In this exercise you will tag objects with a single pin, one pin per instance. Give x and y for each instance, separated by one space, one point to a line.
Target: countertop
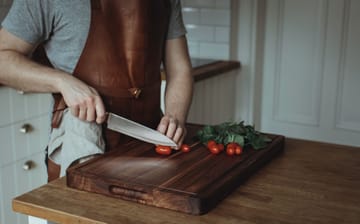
310 182
206 68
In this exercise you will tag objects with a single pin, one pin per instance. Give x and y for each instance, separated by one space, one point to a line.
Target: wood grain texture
193 182
311 182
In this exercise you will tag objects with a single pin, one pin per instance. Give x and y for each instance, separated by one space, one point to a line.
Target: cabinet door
17 106
213 99
23 139
16 179
311 70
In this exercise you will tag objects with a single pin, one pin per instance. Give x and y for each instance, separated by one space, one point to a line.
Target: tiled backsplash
208 26
207 23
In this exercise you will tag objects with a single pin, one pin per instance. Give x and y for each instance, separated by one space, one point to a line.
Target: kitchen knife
138 131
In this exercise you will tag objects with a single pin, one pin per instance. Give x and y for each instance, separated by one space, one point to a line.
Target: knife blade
133 129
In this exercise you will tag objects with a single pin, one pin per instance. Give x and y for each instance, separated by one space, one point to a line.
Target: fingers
82 113
100 111
88 107
84 101
162 127
173 129
90 114
75 111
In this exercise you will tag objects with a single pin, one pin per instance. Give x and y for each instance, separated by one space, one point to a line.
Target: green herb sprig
227 132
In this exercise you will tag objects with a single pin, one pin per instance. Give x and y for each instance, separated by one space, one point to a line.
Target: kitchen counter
206 68
310 182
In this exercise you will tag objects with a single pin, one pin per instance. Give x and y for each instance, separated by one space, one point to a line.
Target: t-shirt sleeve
176 23
29 20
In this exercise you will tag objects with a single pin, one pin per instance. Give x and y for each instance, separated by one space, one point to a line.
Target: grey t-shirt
63 25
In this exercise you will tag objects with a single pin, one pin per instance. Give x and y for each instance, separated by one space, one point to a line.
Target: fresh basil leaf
228 132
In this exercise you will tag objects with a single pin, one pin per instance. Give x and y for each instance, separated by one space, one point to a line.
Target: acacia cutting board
193 182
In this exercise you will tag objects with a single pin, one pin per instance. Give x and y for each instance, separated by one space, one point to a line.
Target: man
105 56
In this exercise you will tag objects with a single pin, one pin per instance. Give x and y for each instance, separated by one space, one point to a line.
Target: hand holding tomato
172 128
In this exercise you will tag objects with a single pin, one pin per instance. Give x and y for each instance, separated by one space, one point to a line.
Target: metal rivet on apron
135 92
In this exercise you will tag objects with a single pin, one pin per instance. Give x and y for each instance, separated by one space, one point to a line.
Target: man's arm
179 89
19 72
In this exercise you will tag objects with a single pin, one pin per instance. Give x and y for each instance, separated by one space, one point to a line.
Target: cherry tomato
230 151
185 148
230 148
232 144
210 143
238 150
214 149
163 150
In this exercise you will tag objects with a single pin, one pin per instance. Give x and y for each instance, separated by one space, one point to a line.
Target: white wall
247 33
208 25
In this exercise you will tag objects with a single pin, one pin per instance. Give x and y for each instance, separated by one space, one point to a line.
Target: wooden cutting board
193 182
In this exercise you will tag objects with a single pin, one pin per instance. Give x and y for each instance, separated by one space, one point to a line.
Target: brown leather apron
121 59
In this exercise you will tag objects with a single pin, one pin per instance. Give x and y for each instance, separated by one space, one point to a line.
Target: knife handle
129 194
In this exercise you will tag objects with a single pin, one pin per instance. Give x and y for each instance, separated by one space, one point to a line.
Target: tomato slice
163 150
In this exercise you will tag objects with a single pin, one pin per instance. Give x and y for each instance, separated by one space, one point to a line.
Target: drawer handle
26 128
21 92
28 165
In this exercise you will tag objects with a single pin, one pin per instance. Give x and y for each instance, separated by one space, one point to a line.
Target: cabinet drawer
16 106
23 139
16 179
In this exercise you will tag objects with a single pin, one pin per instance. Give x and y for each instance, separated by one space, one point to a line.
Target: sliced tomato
163 150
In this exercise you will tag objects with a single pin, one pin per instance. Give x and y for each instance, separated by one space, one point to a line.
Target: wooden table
309 183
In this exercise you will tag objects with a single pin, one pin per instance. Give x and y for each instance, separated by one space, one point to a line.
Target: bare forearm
20 72
178 97
179 88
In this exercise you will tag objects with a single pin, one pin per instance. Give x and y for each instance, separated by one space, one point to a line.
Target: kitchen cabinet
311 70
24 129
300 73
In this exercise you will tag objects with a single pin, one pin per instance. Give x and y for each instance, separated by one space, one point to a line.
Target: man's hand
178 92
19 72
83 101
173 129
